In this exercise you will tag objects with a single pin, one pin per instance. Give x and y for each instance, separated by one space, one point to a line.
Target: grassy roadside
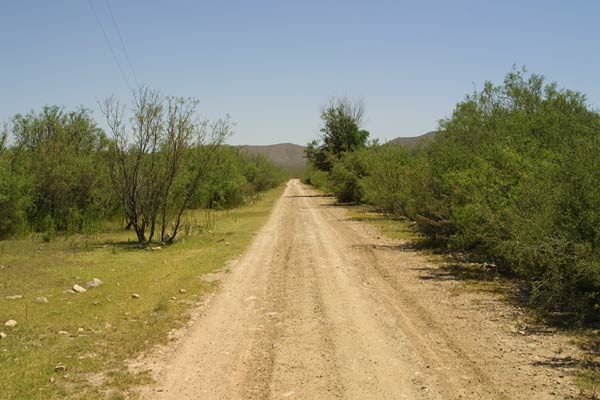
91 334
390 227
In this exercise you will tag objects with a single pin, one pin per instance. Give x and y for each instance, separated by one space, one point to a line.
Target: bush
14 200
512 176
63 155
345 177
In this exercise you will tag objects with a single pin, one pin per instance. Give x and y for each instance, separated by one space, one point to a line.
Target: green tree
64 155
341 133
15 197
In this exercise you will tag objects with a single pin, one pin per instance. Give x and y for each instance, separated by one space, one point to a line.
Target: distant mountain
285 155
412 141
290 156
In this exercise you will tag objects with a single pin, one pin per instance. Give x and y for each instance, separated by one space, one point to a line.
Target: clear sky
271 64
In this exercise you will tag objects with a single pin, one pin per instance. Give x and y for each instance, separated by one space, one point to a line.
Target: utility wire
112 16
109 45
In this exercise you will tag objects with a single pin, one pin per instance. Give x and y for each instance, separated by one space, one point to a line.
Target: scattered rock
11 323
155 248
60 368
96 303
80 329
63 332
94 283
3 335
135 296
14 297
52 379
78 289
41 300
182 291
173 298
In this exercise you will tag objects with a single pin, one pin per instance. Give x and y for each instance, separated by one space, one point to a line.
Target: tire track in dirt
313 310
456 371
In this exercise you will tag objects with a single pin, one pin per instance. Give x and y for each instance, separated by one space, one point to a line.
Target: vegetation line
511 178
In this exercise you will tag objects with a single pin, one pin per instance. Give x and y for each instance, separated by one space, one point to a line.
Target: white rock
94 283
135 296
11 323
3 335
41 300
14 297
182 291
78 289
63 332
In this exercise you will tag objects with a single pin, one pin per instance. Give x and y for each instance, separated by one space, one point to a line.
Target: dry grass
400 229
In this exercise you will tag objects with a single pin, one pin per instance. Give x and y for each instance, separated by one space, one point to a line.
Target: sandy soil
322 307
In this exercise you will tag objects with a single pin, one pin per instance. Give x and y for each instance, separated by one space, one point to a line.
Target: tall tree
148 151
341 132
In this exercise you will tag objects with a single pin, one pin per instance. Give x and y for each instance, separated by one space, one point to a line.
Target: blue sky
271 64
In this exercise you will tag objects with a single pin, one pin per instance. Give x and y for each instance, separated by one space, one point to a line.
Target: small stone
11 323
63 332
52 379
94 283
41 300
96 303
3 335
60 368
135 296
14 297
69 291
173 298
182 291
78 289
80 329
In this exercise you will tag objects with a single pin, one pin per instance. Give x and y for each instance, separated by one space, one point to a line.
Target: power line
109 45
122 42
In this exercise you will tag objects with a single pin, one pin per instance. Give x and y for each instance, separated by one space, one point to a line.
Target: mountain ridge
290 156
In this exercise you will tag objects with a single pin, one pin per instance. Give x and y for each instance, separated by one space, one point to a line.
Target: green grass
105 325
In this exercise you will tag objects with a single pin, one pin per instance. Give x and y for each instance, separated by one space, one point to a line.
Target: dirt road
321 307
